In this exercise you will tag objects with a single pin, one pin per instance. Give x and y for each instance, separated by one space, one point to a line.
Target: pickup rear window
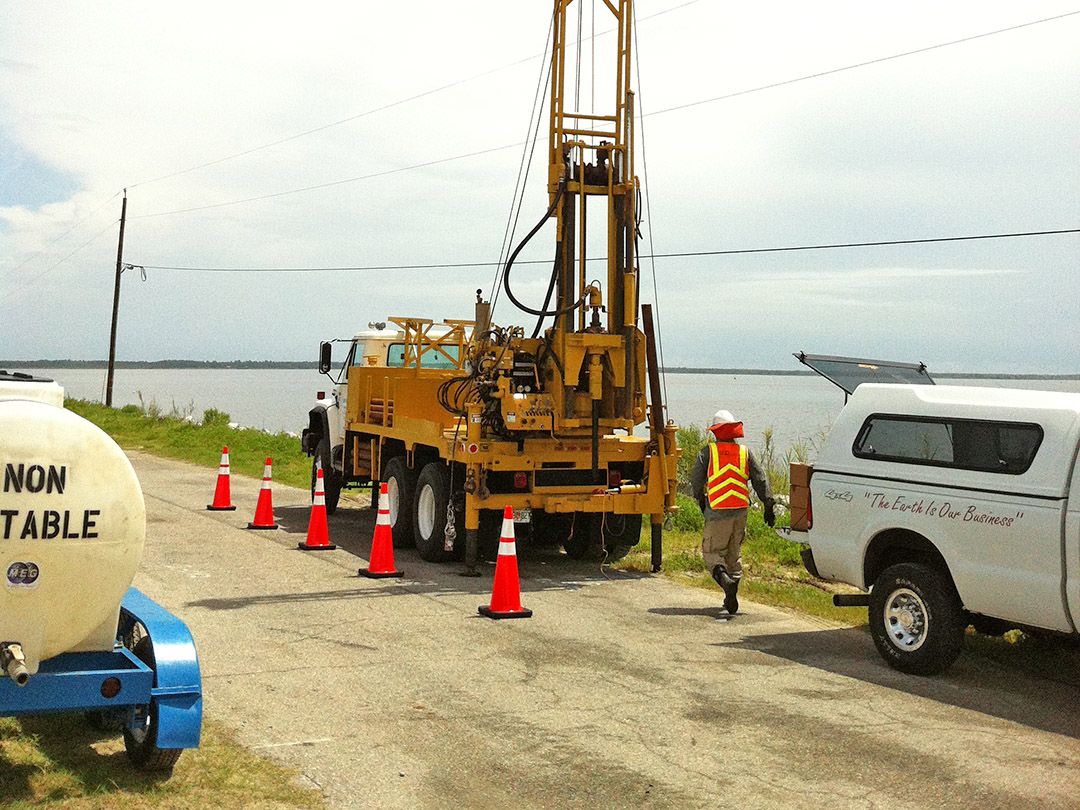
966 444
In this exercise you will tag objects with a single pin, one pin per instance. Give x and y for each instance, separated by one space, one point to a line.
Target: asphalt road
622 691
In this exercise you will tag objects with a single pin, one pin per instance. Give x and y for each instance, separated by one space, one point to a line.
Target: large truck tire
331 480
429 513
916 619
400 485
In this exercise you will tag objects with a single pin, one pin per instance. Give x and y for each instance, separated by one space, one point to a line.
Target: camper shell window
966 444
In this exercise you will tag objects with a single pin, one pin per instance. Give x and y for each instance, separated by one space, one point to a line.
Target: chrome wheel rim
906 619
425 511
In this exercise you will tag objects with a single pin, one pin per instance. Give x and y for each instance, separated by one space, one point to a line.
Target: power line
680 255
53 241
328 185
877 61
383 108
653 113
52 267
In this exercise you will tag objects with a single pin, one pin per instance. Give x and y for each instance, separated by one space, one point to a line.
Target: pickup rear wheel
916 619
331 480
400 485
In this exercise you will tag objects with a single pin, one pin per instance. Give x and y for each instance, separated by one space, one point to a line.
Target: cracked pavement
623 690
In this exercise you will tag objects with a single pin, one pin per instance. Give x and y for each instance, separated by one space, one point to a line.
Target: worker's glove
770 516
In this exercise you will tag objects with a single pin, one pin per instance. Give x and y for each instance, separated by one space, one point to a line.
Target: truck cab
952 505
324 437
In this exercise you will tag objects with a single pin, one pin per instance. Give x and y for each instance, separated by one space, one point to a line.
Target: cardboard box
799 501
799 474
799 520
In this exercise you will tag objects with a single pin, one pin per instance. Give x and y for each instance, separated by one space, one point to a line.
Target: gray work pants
721 542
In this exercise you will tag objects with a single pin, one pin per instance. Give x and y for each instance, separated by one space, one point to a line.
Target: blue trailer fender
177 690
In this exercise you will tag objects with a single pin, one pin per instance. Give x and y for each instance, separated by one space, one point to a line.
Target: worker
719 482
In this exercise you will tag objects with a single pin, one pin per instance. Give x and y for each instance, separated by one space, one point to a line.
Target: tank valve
14 663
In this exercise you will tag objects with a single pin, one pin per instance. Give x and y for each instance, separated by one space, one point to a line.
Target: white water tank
72 524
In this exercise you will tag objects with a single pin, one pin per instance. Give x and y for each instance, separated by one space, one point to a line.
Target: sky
175 104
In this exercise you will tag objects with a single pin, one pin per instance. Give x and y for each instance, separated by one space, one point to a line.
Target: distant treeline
309 364
158 364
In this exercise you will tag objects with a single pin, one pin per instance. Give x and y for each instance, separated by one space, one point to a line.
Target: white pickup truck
953 505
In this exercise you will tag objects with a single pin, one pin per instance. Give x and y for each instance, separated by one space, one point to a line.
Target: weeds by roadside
60 760
177 435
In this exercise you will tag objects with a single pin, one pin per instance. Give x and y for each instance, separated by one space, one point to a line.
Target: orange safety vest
726 485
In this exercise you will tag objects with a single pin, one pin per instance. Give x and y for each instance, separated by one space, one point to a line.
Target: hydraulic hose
513 256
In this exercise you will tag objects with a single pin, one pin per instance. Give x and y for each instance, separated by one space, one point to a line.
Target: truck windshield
395 357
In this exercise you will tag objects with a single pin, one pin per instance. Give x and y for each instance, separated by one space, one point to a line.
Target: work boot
731 595
720 575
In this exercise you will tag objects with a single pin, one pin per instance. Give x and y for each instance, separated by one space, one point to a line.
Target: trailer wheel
141 740
331 480
916 619
400 487
429 513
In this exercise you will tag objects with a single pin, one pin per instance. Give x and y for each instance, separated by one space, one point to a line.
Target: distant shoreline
287 364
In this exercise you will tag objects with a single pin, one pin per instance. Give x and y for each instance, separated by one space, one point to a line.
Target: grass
59 760
176 435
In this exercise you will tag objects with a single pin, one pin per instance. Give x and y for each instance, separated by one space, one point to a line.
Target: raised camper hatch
847 373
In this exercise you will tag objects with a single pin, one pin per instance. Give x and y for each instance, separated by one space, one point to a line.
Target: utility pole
116 303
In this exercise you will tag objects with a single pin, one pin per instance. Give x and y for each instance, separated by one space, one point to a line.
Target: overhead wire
648 216
663 111
525 165
867 63
673 255
383 108
53 266
53 241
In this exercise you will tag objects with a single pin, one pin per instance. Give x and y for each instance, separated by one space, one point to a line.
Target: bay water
796 408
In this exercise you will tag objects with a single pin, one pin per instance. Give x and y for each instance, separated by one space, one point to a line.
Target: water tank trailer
74 636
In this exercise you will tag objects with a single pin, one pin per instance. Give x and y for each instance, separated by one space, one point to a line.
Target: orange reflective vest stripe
726 485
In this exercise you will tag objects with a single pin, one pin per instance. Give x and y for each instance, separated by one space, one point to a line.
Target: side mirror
324 357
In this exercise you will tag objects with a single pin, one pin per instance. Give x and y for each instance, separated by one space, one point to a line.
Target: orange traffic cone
318 538
506 593
222 500
382 545
264 509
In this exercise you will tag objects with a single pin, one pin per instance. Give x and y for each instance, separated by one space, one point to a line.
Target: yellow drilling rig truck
463 418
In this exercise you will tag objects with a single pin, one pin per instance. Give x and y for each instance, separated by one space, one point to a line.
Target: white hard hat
721 418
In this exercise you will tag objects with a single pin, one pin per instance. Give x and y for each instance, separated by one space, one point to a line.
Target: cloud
974 138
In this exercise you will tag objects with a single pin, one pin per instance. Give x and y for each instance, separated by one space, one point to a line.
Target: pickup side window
967 444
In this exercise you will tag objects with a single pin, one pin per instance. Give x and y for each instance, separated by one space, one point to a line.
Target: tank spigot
14 663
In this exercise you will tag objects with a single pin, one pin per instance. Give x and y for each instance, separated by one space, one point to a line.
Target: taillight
809 509
321 395
521 480
614 479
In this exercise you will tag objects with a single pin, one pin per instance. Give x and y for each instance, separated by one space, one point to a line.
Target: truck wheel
600 537
400 485
331 480
916 619
429 513
140 741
